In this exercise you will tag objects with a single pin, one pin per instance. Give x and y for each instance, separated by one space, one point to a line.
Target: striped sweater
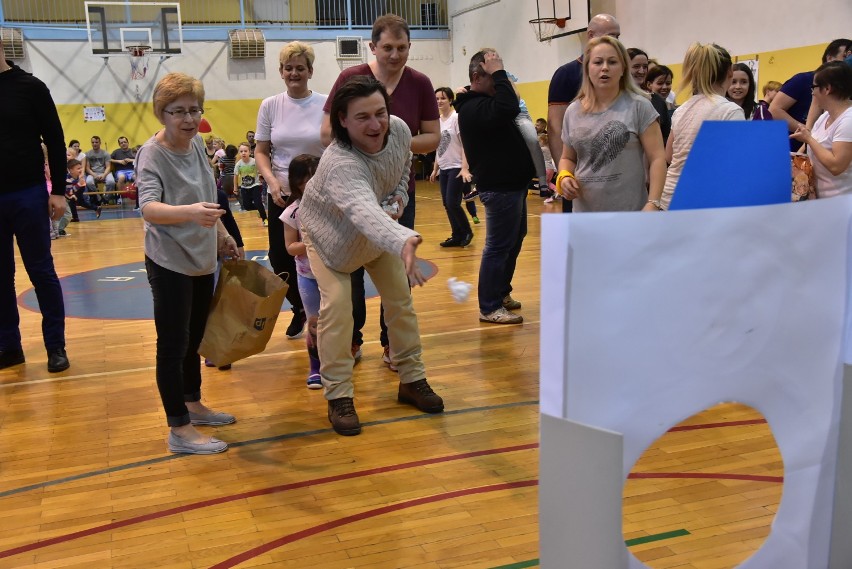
341 212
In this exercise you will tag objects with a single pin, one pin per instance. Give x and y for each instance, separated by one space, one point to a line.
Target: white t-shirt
449 153
686 122
292 126
829 185
290 217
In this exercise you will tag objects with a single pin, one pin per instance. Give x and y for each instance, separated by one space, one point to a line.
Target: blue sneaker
314 381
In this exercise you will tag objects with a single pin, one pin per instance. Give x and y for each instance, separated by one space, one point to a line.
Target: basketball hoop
138 61
545 28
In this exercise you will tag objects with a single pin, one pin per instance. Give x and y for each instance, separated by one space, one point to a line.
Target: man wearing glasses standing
28 117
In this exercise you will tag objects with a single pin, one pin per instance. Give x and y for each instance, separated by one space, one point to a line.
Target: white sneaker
501 316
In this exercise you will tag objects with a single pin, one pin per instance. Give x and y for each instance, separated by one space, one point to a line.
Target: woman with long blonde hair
608 132
707 73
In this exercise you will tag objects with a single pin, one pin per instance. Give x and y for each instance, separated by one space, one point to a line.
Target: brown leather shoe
419 394
344 419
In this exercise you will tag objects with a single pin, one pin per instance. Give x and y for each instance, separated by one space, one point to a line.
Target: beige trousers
334 327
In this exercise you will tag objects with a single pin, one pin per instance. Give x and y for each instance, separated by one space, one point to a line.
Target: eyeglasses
191 113
815 86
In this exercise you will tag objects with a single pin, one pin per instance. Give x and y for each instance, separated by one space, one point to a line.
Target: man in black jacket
502 167
28 117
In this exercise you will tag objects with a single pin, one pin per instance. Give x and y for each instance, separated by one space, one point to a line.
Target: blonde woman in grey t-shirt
608 132
183 232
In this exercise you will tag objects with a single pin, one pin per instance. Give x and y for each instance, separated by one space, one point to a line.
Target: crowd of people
331 178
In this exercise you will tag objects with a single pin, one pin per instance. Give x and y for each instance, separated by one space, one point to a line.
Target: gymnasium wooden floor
86 480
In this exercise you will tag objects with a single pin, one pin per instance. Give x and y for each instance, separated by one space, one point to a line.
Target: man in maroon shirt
411 92
413 100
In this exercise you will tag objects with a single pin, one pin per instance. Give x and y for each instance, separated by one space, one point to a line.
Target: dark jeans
253 196
451 194
181 304
23 217
506 227
280 259
359 305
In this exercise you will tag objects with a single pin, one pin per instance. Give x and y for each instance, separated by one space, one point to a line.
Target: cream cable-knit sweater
341 212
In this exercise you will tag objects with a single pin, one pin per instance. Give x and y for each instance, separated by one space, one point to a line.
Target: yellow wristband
562 174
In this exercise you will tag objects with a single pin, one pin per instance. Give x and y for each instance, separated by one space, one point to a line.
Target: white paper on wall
94 114
672 313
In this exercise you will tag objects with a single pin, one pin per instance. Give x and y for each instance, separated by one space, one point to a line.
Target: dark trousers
280 259
452 188
83 200
24 217
506 227
254 196
72 207
181 304
359 305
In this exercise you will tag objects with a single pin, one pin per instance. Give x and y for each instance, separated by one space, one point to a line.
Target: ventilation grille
350 47
247 43
13 42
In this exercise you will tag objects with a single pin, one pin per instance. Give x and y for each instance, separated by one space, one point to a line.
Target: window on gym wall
301 14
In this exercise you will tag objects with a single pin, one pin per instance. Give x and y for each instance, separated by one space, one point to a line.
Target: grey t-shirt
98 160
610 159
169 177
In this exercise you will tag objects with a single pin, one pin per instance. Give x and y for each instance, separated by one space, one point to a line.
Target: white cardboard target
665 315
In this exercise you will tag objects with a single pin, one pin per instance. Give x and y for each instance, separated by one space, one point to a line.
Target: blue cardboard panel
736 163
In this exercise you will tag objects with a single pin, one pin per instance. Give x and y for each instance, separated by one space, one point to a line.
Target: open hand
415 277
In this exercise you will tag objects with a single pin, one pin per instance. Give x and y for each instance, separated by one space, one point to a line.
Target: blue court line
284 437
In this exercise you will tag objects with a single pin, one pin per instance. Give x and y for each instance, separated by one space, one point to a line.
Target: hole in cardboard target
706 491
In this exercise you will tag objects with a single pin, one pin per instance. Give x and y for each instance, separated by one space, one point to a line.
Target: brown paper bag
245 306
804 179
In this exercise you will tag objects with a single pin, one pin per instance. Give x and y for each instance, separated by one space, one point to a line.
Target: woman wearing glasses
830 143
183 232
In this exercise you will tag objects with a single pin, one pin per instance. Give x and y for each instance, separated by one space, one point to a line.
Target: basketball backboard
114 26
558 18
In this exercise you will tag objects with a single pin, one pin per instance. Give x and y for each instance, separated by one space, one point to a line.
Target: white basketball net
138 61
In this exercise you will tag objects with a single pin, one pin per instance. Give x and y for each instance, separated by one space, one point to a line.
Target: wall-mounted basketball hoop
545 28
138 61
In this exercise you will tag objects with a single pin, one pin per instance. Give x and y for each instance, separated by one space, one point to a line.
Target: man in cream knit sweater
348 215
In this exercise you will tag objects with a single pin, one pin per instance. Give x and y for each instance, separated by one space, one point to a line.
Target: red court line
717 425
261 492
329 479
707 475
290 538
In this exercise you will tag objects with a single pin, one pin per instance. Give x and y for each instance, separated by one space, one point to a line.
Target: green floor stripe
655 537
628 543
521 565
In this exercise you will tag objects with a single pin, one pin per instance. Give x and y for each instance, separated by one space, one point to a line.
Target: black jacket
496 152
28 117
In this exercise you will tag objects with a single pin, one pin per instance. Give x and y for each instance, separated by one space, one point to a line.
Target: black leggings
181 304
280 259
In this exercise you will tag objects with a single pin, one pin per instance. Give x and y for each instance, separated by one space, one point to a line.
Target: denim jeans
24 217
452 188
506 227
181 304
